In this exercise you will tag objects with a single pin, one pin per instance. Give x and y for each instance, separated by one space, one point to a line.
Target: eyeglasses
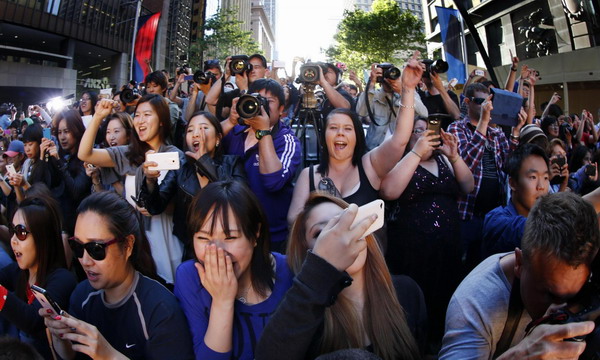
477 100
418 131
19 230
96 250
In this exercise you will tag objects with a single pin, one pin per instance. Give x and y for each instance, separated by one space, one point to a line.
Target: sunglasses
477 100
20 231
96 250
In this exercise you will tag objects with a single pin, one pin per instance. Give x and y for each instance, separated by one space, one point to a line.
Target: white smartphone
453 82
479 72
45 300
165 160
10 168
278 64
374 207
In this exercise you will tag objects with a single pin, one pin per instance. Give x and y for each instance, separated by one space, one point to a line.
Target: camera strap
368 103
515 310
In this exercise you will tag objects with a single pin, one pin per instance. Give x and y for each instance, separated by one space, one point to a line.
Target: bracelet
416 153
406 107
515 138
455 160
513 69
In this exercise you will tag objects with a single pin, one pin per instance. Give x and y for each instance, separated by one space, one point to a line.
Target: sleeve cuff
324 279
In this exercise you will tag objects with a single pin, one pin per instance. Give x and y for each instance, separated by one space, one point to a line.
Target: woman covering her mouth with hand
229 293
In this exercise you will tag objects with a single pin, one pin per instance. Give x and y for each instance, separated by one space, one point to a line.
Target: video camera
389 72
240 64
438 66
309 72
248 106
129 95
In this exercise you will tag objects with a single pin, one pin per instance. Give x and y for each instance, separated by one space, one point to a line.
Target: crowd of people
245 250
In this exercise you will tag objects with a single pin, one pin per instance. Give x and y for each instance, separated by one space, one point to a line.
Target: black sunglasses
477 100
96 250
19 230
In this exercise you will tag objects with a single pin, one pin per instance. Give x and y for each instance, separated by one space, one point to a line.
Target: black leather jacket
184 185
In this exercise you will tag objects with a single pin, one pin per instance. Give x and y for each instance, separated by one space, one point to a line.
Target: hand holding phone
164 161
374 207
479 72
10 169
47 134
47 302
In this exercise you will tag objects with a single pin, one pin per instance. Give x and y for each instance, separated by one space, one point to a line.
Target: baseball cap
15 148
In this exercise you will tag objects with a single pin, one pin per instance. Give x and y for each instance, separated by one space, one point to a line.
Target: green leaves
385 34
223 36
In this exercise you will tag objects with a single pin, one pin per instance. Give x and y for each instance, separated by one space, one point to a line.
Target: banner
452 34
143 46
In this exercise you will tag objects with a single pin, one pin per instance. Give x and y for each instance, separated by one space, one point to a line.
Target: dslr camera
201 77
240 64
129 95
248 106
389 72
438 66
309 73
585 306
182 69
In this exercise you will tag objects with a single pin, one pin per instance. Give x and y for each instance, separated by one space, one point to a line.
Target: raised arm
98 157
512 75
450 105
334 96
384 157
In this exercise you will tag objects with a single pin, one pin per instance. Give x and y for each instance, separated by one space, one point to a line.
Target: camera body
240 64
389 72
438 66
248 106
309 73
182 69
128 95
201 77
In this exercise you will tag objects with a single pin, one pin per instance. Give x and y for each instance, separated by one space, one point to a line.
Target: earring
217 144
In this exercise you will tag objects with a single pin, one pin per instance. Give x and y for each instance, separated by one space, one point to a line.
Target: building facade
413 6
559 38
261 28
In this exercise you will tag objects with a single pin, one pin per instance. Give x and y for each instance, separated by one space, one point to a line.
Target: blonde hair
383 319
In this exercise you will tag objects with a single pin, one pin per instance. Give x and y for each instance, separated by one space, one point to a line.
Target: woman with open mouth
345 169
37 244
120 311
205 163
152 127
229 291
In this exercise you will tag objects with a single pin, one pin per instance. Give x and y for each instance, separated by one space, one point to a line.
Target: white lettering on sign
95 83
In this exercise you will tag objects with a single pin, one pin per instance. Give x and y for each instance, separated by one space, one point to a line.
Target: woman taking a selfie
152 127
38 248
205 163
118 312
235 283
343 296
346 170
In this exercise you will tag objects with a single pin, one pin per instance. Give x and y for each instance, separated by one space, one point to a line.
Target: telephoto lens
389 72
239 64
201 77
248 106
127 96
309 73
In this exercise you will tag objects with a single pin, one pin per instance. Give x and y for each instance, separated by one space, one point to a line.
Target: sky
305 26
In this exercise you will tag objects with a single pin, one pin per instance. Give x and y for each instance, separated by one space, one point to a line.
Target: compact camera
389 72
240 64
248 106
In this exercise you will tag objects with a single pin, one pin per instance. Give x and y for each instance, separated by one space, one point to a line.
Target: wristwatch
260 133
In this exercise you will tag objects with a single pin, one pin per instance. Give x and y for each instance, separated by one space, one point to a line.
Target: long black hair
212 204
137 148
122 221
43 219
361 144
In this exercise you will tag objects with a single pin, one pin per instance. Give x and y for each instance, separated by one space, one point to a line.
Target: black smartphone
47 302
590 170
560 160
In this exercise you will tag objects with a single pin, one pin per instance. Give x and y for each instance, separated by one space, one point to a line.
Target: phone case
45 300
10 168
165 160
374 207
47 133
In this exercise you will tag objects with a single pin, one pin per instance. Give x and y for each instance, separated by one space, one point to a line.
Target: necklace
243 297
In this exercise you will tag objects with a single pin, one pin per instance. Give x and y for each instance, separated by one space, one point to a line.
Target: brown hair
383 318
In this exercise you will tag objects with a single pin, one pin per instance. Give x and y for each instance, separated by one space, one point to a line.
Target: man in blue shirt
528 176
271 155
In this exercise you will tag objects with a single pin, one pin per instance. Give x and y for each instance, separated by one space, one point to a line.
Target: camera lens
439 67
248 106
310 74
200 77
238 66
393 73
127 96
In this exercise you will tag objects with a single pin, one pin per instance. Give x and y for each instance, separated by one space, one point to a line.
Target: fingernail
57 317
374 216
49 311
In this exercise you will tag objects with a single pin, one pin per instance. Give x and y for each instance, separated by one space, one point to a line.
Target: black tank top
365 193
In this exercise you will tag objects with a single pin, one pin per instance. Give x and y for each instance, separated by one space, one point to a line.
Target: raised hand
450 146
413 71
217 275
428 142
201 146
151 175
340 244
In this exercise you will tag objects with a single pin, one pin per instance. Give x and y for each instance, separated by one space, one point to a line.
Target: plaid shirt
471 146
